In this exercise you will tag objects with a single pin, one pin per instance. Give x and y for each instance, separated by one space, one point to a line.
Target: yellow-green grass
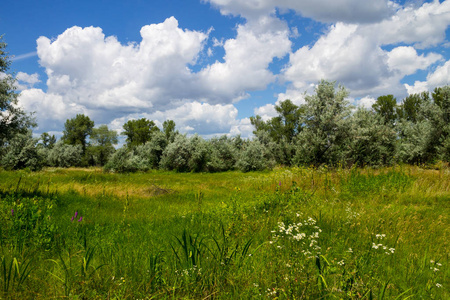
226 235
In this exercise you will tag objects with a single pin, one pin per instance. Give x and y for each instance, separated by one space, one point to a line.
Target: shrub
122 161
255 157
21 152
64 155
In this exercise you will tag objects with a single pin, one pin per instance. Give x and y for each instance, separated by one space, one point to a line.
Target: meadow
290 233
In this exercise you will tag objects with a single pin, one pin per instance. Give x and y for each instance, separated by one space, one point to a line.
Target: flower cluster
74 217
434 266
305 232
387 251
194 271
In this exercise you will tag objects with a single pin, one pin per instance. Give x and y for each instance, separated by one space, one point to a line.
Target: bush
186 154
373 143
223 154
64 155
255 157
151 152
21 152
123 161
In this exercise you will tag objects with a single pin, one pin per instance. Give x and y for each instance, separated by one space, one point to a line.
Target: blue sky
211 64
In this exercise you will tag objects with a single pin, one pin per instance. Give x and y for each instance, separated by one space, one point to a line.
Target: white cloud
352 54
193 117
27 80
440 77
98 72
366 102
51 109
97 75
424 26
342 55
418 87
321 10
246 61
243 127
407 62
266 112
297 96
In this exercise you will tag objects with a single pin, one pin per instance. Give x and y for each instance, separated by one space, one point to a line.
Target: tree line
325 130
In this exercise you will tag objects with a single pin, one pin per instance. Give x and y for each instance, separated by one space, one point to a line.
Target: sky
209 65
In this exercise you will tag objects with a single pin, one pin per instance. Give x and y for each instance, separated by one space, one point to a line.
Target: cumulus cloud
27 80
342 55
266 112
51 109
352 11
366 102
406 61
246 61
424 26
98 72
97 75
195 117
353 54
440 77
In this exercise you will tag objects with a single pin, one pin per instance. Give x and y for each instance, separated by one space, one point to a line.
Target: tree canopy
13 120
138 132
76 131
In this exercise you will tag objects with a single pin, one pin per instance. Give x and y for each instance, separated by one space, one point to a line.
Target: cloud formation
96 75
351 11
369 48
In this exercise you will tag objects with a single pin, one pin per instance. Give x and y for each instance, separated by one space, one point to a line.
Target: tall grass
287 234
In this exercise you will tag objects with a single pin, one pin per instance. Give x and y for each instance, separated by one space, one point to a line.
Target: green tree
284 126
76 131
411 107
13 119
326 131
281 129
102 143
372 142
138 132
47 140
169 130
386 107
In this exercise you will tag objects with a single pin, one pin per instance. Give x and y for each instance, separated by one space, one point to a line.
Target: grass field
286 234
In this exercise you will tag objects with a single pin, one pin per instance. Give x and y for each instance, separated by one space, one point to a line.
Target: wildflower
76 214
341 263
71 219
438 285
350 250
80 219
12 212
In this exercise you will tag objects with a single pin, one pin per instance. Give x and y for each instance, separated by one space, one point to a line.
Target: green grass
287 234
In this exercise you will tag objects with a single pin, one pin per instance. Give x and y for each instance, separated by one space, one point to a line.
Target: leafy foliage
138 132
326 131
21 152
64 155
76 131
102 144
255 157
13 120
